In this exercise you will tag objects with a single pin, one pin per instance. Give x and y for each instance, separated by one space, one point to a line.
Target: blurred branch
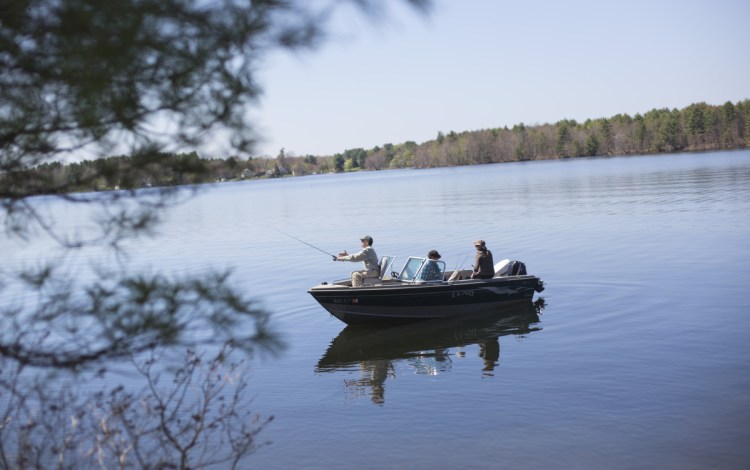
196 417
120 316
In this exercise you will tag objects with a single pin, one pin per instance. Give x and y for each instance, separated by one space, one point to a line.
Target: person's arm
355 257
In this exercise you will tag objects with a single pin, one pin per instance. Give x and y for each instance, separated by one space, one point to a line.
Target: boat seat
459 275
385 262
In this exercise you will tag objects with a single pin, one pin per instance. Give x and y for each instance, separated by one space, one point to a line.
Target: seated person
367 256
484 267
431 270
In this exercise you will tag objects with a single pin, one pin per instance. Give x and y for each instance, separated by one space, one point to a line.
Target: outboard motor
517 268
512 268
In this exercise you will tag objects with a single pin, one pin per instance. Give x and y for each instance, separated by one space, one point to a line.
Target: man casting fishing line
368 256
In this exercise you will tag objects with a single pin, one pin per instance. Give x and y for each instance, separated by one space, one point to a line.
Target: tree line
699 126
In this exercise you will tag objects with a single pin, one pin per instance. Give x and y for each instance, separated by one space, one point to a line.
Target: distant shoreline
699 127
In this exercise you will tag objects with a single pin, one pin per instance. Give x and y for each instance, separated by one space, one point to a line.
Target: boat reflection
425 347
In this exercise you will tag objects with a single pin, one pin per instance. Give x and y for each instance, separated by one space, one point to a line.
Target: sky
478 64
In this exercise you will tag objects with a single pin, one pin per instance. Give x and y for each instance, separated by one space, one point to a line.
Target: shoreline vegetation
697 127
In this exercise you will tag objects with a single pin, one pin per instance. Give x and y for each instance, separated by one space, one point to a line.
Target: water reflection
425 347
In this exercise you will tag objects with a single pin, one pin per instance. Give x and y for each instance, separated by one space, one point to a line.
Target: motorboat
423 290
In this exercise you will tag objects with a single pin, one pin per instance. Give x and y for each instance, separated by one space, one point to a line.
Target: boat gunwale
394 284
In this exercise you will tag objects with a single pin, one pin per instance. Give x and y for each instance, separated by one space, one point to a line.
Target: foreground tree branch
125 315
196 416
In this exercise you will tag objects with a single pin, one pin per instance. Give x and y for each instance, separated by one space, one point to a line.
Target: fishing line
302 241
462 263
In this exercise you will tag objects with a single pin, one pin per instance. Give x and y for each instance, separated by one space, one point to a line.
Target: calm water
639 358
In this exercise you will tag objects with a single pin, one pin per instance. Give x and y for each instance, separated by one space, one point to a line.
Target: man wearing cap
431 270
484 267
368 256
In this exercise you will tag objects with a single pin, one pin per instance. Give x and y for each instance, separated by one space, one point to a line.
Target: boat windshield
421 269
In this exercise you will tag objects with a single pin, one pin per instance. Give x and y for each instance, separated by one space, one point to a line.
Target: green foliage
607 135
592 146
403 155
338 163
563 139
357 156
696 125
520 152
389 153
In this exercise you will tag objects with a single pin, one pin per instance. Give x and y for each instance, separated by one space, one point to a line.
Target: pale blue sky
476 64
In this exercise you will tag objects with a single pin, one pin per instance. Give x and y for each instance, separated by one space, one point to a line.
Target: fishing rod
462 263
302 241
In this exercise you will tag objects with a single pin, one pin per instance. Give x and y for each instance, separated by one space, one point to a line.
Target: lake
637 356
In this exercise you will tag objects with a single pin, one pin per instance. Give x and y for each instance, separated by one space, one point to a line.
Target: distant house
277 171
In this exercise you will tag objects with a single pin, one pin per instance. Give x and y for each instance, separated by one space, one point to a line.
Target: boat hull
407 302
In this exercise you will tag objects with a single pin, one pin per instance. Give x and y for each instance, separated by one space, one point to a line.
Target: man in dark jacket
484 267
